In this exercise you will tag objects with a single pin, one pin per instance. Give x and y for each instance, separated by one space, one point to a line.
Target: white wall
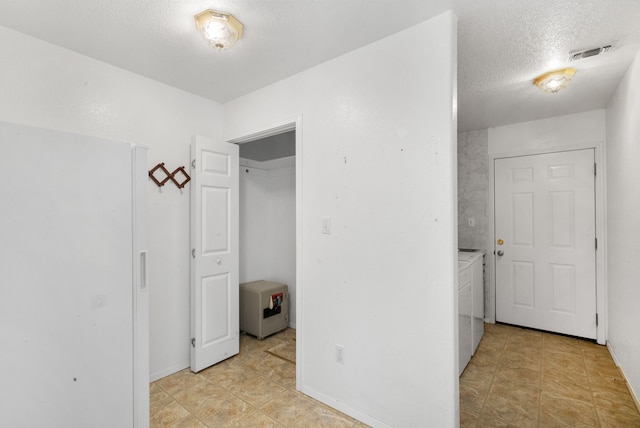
623 206
46 86
268 228
378 157
536 136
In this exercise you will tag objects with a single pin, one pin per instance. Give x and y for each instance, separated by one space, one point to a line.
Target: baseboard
332 402
168 371
292 325
633 393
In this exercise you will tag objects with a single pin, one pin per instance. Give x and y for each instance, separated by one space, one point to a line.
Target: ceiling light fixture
553 81
219 30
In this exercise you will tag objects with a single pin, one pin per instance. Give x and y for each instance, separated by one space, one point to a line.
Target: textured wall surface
473 189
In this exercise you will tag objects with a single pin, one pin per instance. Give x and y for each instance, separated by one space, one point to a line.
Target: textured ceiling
502 44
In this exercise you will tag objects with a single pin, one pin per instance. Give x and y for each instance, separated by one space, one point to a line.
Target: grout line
279 356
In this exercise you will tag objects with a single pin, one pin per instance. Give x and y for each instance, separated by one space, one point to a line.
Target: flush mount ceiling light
553 81
219 30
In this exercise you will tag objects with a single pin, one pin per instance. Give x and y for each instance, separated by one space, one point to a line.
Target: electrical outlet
340 351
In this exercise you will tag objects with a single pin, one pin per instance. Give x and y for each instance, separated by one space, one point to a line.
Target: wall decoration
169 175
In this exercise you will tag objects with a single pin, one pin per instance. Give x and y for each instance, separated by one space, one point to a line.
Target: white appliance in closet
464 315
73 293
475 260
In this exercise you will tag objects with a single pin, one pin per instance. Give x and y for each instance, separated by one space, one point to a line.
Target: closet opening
267 247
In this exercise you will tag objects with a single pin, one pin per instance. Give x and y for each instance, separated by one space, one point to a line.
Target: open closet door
214 254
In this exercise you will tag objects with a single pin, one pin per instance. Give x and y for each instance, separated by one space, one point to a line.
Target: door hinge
596 243
193 342
193 253
193 163
596 319
595 169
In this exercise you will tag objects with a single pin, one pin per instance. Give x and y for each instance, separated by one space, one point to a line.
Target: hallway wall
378 158
623 206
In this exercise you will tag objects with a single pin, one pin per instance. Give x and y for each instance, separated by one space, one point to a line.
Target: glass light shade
219 30
554 81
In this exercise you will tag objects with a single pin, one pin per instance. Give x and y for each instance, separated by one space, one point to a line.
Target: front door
214 255
545 242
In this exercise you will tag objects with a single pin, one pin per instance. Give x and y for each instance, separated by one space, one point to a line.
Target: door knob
501 253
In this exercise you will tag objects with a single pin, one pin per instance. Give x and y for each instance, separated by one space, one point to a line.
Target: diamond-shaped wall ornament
169 175
184 173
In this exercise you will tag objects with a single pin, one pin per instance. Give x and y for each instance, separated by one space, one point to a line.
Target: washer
464 315
475 258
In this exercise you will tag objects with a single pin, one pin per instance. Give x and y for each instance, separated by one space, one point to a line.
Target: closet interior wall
268 228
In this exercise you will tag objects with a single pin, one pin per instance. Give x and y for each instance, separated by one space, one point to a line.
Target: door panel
214 267
545 218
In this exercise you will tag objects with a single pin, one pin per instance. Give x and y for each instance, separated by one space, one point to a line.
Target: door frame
284 125
600 202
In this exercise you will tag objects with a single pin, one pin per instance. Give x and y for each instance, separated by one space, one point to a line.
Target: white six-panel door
545 242
214 258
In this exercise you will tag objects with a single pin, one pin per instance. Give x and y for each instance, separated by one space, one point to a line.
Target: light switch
471 221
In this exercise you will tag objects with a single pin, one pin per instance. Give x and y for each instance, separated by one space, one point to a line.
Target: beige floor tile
521 359
230 376
467 419
488 420
514 413
259 391
487 360
179 381
522 391
562 361
522 374
288 408
604 381
610 418
472 399
613 400
321 417
256 420
188 422
557 343
517 378
269 365
223 413
286 350
556 411
170 413
562 384
285 375
200 395
478 377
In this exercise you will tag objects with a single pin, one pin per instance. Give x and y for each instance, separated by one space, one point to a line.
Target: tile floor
518 378
256 388
525 378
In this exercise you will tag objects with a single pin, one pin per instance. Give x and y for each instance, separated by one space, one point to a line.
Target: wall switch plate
326 226
340 351
471 221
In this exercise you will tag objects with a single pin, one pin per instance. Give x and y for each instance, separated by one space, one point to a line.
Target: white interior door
214 262
545 242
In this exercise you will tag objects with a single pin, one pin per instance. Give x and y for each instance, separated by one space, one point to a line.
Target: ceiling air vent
576 55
